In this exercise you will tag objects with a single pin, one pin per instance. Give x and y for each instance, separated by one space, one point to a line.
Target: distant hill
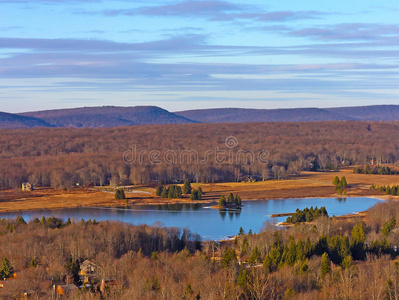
108 116
369 113
242 115
13 121
115 116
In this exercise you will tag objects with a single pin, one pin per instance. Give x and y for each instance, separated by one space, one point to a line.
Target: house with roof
65 289
108 284
88 271
26 186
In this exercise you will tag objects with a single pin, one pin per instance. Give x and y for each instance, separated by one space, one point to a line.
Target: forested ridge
329 258
63 157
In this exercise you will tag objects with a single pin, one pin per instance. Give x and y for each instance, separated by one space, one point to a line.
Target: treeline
375 170
307 215
389 190
328 259
172 191
172 153
341 250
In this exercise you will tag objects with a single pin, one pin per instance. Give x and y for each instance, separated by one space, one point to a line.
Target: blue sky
198 54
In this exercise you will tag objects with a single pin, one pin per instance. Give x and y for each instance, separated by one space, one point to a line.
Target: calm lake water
200 218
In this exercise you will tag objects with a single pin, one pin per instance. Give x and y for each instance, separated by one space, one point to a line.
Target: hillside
242 115
114 116
369 113
108 116
13 121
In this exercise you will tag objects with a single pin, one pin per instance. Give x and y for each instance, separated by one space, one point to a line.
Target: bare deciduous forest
64 157
327 259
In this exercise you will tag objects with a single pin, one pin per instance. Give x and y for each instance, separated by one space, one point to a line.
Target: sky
194 54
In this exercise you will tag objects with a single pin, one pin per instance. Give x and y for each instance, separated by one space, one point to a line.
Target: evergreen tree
222 201
6 270
159 190
155 286
388 226
230 199
238 200
347 262
242 279
344 184
272 260
120 194
188 292
178 192
325 264
229 258
187 187
34 262
388 190
172 191
165 192
255 257
241 231
357 242
20 220
336 181
194 195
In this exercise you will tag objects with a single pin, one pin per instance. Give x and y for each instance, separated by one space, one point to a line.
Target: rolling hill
13 121
116 116
242 115
369 113
108 116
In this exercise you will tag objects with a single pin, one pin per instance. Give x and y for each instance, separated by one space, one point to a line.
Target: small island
230 203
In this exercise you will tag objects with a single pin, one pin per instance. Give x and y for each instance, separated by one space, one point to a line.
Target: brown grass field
309 184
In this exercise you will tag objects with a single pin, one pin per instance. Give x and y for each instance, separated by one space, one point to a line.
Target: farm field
308 184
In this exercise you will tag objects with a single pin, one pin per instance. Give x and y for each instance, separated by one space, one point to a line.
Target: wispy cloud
190 8
211 10
344 35
348 32
110 66
95 46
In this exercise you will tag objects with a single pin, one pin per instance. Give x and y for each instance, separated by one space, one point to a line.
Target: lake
200 218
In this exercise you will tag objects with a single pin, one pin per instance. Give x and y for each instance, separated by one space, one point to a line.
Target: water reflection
201 218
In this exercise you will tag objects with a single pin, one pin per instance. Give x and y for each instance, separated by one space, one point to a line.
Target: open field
309 184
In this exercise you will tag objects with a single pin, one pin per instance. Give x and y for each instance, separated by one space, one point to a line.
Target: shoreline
187 201
310 185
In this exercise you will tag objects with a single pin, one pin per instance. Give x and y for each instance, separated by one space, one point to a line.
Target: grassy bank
309 184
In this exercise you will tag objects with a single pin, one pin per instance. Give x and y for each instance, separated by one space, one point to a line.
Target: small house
107 284
87 270
26 186
66 289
